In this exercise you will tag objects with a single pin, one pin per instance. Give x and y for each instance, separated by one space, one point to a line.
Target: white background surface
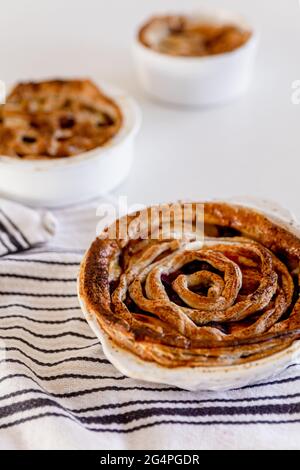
250 147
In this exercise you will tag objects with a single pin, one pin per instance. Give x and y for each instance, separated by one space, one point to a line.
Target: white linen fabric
23 228
58 391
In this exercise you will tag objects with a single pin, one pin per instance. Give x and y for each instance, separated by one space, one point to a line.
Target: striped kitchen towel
58 391
23 228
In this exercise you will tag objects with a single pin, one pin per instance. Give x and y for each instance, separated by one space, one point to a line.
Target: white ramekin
217 378
198 81
59 182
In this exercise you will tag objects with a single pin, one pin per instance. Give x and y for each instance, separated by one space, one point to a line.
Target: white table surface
250 147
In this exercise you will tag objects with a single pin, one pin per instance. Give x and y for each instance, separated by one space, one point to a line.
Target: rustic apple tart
227 298
56 118
188 36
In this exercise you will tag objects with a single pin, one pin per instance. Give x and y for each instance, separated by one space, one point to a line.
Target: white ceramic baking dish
216 378
71 180
198 81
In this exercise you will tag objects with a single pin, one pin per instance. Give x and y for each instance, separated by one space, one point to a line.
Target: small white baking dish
218 378
59 182
198 81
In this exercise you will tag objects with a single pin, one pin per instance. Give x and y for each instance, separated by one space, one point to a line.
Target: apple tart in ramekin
65 141
196 58
200 313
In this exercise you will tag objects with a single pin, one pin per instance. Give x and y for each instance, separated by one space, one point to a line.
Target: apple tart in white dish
65 141
198 58
202 315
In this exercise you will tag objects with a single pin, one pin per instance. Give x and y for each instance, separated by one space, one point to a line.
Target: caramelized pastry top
189 37
177 302
58 118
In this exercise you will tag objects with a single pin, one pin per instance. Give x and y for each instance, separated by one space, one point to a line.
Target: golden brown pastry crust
57 118
187 37
234 300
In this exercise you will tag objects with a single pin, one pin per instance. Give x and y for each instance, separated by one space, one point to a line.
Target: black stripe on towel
141 414
7 249
150 425
48 351
14 242
38 278
38 295
44 322
39 309
51 378
37 335
13 227
42 261
57 363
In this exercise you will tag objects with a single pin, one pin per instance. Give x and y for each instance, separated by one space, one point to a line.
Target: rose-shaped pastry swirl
180 302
